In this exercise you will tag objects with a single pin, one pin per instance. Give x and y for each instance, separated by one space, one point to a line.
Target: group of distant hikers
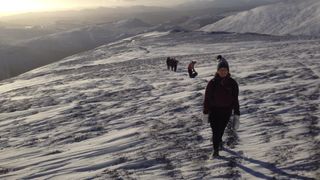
221 103
172 64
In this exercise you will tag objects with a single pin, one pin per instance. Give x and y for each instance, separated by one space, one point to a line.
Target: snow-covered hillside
116 112
293 17
35 52
197 22
229 4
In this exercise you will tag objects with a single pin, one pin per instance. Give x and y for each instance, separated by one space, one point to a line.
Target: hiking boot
215 154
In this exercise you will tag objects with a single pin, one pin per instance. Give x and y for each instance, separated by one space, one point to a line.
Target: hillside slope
116 112
289 17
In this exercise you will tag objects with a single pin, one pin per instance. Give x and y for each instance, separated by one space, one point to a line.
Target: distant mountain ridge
290 17
131 23
226 3
39 51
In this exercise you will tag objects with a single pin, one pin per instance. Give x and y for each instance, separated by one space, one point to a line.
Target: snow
117 112
289 17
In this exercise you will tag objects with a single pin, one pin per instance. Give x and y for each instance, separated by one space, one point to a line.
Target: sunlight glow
8 7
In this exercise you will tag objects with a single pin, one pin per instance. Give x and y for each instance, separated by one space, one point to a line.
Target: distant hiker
168 63
192 72
221 97
174 64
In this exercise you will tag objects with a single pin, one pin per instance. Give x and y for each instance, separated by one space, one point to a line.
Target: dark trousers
192 74
174 68
218 119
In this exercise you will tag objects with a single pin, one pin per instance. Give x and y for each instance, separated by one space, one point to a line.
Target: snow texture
116 112
293 17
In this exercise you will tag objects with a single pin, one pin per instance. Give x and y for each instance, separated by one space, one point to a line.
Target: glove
236 122
205 118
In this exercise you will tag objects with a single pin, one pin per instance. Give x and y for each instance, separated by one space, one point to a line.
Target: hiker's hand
236 122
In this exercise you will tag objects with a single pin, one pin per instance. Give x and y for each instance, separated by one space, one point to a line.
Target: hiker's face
223 72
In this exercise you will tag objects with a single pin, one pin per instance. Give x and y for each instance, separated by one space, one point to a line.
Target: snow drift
115 112
289 17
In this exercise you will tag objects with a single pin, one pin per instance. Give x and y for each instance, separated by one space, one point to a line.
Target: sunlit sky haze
9 7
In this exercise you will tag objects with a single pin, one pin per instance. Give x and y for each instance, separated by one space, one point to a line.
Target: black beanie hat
223 64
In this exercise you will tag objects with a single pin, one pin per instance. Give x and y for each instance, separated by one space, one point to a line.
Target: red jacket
191 66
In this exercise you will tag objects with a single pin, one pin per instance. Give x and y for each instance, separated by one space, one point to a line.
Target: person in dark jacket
174 64
168 62
192 72
221 98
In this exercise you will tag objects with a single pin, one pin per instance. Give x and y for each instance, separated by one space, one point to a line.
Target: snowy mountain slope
289 17
197 22
229 4
116 112
35 52
131 23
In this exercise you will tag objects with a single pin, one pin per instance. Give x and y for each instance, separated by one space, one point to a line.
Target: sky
9 7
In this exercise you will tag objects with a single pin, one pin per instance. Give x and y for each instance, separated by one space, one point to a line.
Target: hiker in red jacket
221 98
192 72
